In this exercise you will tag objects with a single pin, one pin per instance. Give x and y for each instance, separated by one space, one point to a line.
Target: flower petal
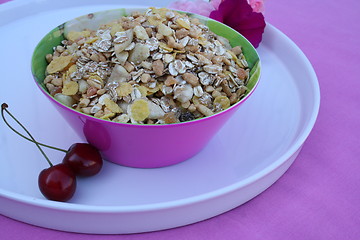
257 5
239 15
199 6
215 3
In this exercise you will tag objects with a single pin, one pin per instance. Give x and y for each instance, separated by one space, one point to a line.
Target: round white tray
247 156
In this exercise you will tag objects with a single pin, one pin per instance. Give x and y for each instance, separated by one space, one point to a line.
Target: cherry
57 182
84 159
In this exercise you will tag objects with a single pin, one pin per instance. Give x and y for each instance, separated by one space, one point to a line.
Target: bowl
142 145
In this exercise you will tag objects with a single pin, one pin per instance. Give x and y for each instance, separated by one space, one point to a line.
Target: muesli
156 67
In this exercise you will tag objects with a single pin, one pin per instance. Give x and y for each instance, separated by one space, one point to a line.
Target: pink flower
239 15
198 6
215 3
257 5
245 16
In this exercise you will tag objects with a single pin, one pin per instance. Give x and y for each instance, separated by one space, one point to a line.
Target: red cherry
84 159
57 183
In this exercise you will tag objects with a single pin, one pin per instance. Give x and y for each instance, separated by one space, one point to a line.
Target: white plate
248 155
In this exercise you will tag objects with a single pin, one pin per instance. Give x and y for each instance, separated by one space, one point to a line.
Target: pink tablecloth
319 196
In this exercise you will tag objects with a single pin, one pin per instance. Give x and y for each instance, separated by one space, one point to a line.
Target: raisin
186 116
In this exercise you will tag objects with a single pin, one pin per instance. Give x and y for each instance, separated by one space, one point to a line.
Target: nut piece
180 33
191 78
170 80
140 53
183 93
64 99
145 78
204 110
122 57
226 88
123 118
123 40
158 67
236 50
156 112
241 73
233 98
119 74
83 86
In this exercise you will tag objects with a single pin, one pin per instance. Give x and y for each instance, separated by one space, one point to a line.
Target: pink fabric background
319 196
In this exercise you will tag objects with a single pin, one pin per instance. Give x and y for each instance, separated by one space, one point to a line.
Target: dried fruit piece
112 106
186 116
73 36
143 90
163 12
170 117
58 64
164 30
155 20
141 33
107 116
223 101
139 110
70 88
91 40
183 23
155 55
116 27
71 69
124 89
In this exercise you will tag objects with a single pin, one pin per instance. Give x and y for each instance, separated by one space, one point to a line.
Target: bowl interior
94 20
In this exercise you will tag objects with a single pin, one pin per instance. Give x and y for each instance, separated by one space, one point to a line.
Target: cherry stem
15 131
4 107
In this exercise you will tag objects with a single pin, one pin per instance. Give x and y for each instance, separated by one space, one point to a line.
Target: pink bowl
145 146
